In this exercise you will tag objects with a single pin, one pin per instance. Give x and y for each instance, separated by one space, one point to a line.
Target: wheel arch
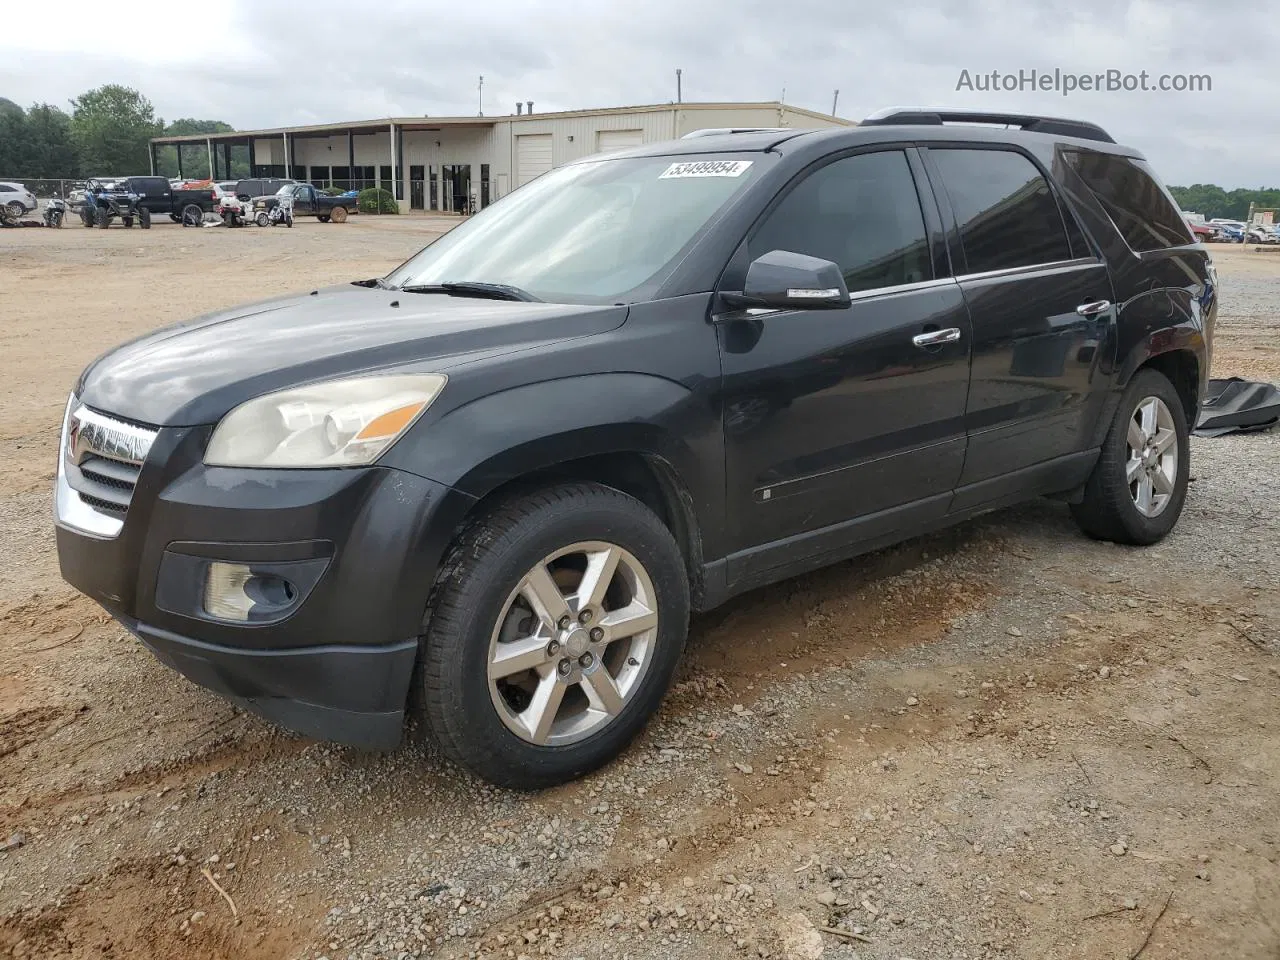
541 434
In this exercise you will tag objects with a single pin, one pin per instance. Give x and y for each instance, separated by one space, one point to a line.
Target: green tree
50 148
113 126
1212 202
13 137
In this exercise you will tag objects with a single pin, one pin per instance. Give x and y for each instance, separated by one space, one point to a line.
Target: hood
194 372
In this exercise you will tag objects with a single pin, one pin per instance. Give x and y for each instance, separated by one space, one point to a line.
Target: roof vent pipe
529 103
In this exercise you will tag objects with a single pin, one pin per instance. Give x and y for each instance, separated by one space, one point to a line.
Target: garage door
533 156
609 140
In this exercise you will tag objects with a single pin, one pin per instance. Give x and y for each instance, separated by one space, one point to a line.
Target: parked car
1260 234
502 474
255 187
307 202
1203 231
186 205
17 198
1230 234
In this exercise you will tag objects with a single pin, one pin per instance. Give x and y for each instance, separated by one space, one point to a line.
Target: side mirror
784 280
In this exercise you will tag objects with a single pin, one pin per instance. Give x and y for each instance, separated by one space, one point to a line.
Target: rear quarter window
1138 205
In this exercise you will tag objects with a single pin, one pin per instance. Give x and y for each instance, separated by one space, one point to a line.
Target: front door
1041 305
843 425
304 199
416 194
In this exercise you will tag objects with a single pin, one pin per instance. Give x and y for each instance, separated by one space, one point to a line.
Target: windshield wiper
473 288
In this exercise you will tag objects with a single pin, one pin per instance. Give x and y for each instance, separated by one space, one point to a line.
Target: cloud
278 64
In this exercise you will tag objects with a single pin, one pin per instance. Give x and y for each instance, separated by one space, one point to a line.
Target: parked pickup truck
308 202
182 206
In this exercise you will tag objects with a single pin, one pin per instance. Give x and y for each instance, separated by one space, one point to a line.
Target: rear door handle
1093 308
932 338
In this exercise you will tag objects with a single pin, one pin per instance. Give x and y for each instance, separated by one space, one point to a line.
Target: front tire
552 634
103 218
144 219
1139 484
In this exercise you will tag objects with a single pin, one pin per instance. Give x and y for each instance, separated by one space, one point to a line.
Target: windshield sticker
706 168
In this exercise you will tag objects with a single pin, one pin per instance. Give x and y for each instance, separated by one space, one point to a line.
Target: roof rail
927 116
718 131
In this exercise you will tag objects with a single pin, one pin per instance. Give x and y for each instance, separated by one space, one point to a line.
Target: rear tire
322 218
86 216
1135 494
127 221
262 219
192 215
478 604
17 210
339 215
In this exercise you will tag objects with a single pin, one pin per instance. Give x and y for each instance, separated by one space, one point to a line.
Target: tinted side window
862 213
1007 214
1137 204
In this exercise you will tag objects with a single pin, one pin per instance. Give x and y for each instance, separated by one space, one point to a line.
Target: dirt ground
1001 741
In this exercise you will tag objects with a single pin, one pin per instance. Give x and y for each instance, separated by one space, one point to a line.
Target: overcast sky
263 64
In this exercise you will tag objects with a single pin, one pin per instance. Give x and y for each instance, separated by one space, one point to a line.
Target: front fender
483 444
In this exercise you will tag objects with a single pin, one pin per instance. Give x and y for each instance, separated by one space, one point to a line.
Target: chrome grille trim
99 459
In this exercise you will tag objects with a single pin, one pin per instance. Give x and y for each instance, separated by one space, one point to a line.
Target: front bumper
360 546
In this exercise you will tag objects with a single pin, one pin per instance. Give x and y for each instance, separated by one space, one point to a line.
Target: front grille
99 467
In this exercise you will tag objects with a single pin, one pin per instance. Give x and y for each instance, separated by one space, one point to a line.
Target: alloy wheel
572 643
1152 467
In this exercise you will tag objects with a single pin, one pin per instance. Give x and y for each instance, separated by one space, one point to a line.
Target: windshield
594 232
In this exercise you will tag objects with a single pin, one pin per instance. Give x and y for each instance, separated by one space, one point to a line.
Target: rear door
1041 304
842 425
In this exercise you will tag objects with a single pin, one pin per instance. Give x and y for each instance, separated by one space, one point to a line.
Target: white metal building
457 163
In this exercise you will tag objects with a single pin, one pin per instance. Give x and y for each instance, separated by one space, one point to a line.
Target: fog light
224 591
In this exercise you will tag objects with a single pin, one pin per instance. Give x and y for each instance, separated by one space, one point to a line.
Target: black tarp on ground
1238 406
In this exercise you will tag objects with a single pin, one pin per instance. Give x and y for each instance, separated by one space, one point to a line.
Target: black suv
491 486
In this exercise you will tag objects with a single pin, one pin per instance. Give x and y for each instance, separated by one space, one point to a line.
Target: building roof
437 123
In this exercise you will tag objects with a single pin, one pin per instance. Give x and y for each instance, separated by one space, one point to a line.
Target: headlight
342 423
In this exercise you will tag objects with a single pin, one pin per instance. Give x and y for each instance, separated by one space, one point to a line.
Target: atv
104 200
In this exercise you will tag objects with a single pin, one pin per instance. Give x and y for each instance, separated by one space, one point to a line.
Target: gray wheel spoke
1133 469
544 597
601 566
541 712
1148 413
1136 438
1145 499
518 656
627 622
1164 440
1161 482
601 690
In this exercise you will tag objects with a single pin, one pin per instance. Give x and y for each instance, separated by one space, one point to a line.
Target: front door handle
1093 308
933 338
